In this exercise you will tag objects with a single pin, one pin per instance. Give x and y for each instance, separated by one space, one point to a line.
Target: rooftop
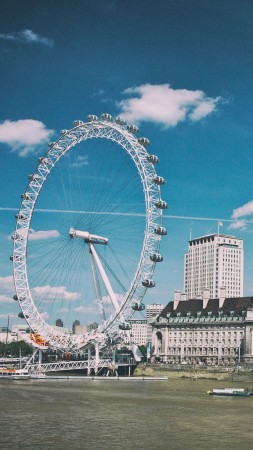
194 306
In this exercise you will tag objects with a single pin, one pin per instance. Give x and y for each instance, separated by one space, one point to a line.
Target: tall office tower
214 261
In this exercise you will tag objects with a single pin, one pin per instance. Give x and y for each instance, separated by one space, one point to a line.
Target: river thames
107 414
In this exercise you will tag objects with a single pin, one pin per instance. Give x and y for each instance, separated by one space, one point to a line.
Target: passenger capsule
153 159
62 132
25 196
138 306
51 144
133 129
144 141
43 160
125 326
120 120
161 204
20 216
161 231
159 180
148 283
16 236
77 123
34 177
15 258
21 315
106 116
156 257
15 297
92 118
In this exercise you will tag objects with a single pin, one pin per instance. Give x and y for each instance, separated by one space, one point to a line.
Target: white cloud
27 37
86 309
55 292
80 162
44 315
23 136
244 210
5 299
238 225
6 283
165 105
37 235
8 315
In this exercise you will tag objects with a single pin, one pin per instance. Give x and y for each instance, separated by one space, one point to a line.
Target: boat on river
14 374
235 392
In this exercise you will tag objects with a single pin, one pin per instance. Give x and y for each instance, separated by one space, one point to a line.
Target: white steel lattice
98 129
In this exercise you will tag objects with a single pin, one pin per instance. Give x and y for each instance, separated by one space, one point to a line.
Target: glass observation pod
25 197
51 144
92 118
156 257
15 297
43 160
21 315
16 236
15 258
20 216
106 116
63 132
133 129
120 120
125 326
34 177
159 180
76 123
148 283
153 159
161 204
161 231
138 307
144 141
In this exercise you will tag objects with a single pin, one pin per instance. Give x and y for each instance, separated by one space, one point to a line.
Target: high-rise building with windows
212 262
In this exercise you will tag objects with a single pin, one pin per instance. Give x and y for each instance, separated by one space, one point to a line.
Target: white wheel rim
129 143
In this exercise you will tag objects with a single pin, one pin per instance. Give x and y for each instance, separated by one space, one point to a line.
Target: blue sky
180 69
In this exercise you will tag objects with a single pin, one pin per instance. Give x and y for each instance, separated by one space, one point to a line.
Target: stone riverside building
204 331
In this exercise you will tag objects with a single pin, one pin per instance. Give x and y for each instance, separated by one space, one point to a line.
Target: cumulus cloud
55 292
44 315
164 105
242 216
86 309
238 225
27 37
81 161
244 210
5 299
23 136
8 315
6 283
38 235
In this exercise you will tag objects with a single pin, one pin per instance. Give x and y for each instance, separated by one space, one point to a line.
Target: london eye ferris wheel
88 233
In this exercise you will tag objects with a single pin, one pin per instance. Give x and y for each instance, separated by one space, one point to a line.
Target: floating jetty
97 378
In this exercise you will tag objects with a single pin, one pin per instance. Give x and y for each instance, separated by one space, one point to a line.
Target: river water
106 414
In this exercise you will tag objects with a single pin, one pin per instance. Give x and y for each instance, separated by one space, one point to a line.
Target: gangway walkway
92 364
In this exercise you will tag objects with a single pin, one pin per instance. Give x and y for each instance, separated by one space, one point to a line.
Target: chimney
183 296
206 297
222 296
176 299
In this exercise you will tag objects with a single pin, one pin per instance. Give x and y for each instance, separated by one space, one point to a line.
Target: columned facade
214 332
